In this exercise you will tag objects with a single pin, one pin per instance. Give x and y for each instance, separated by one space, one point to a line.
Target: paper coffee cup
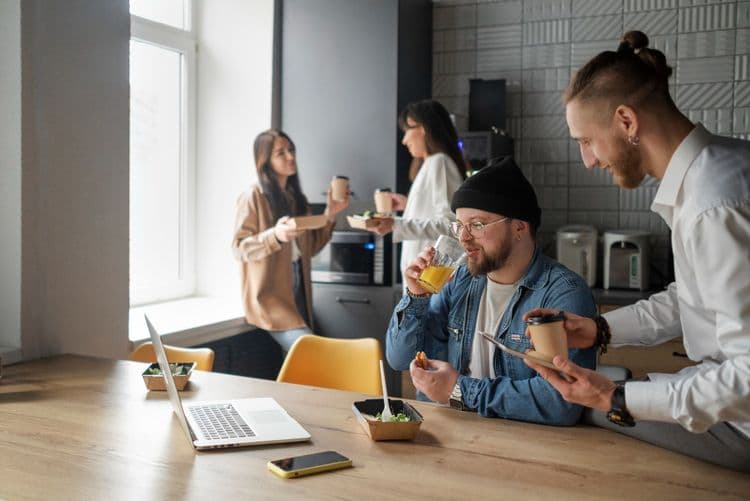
548 336
339 188
383 201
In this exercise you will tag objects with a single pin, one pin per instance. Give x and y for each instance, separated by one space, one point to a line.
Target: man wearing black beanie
505 275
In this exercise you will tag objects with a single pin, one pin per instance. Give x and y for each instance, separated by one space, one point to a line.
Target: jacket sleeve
527 396
317 239
436 194
250 242
417 324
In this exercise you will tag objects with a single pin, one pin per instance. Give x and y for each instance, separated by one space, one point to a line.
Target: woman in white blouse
429 134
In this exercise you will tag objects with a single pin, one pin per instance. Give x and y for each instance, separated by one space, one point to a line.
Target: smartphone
309 464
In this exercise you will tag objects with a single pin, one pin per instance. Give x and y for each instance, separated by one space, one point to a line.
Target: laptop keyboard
220 422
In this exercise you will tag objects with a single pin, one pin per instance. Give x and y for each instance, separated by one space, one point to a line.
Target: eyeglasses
474 229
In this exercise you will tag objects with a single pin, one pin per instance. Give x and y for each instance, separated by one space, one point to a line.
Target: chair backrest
343 364
203 356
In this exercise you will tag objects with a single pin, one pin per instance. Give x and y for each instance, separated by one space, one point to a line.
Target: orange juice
433 278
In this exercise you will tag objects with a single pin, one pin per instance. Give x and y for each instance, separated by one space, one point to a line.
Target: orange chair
203 356
342 364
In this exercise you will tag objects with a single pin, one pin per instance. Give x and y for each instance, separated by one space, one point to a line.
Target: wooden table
83 428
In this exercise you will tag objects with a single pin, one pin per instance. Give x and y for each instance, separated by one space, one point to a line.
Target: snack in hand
421 360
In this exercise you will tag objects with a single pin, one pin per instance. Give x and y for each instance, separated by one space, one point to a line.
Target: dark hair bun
635 40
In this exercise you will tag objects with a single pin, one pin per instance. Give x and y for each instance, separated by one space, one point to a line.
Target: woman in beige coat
274 256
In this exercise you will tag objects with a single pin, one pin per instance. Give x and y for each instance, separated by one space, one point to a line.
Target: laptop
228 423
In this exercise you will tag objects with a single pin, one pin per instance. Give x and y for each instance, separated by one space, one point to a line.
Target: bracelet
411 294
603 333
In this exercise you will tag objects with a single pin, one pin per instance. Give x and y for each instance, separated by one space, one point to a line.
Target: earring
634 140
518 237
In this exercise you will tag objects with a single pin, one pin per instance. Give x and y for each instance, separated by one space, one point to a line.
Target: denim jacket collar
535 277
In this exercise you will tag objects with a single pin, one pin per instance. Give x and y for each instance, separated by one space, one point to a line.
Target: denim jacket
443 326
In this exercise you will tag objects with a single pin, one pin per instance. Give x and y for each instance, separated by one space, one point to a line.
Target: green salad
396 418
176 369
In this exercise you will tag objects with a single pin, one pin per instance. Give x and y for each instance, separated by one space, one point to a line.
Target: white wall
234 104
10 173
75 113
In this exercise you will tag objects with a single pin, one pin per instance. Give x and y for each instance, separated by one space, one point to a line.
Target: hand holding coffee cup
447 257
548 335
340 188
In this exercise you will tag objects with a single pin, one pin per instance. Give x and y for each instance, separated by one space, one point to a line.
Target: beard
626 166
485 263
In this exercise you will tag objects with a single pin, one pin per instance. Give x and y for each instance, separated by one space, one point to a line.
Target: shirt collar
682 158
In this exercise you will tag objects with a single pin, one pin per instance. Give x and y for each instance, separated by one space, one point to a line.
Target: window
162 172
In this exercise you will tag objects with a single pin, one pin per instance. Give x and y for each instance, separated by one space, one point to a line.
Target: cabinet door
338 91
353 311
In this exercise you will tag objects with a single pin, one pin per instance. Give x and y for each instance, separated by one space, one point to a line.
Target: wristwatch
456 400
619 414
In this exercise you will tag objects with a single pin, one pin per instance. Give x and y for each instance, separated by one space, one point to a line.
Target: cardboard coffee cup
383 201
548 336
339 188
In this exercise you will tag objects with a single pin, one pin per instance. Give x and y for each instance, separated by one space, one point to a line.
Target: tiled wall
536 45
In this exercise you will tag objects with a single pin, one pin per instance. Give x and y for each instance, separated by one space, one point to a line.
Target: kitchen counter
620 297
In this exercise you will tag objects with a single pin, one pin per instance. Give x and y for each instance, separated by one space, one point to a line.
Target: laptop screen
174 396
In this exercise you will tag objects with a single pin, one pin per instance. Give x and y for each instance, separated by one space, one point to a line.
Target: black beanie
500 188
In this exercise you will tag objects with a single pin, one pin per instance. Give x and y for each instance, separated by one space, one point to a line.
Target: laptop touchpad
268 417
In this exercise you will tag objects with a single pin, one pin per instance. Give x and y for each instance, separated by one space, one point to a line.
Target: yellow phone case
336 465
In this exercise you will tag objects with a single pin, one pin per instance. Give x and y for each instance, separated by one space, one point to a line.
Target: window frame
183 42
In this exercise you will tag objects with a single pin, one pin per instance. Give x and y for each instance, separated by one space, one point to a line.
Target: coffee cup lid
340 177
383 189
546 319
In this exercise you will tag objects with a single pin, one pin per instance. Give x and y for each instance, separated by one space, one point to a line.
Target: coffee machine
576 249
626 259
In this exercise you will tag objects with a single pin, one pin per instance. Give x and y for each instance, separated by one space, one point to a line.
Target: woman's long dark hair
289 201
440 134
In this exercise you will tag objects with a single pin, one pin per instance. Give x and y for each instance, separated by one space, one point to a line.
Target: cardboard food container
156 381
361 222
366 410
308 222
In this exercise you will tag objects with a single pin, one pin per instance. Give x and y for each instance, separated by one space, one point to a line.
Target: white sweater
428 209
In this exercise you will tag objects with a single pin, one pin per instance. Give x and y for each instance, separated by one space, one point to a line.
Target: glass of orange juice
448 255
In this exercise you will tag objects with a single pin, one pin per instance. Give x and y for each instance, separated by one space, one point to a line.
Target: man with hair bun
619 110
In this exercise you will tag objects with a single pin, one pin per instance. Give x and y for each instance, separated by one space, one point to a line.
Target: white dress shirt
704 198
427 214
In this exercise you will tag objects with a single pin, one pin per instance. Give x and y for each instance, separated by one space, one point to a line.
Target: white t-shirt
495 300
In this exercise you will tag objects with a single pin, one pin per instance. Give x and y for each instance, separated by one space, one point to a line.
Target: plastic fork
386 415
